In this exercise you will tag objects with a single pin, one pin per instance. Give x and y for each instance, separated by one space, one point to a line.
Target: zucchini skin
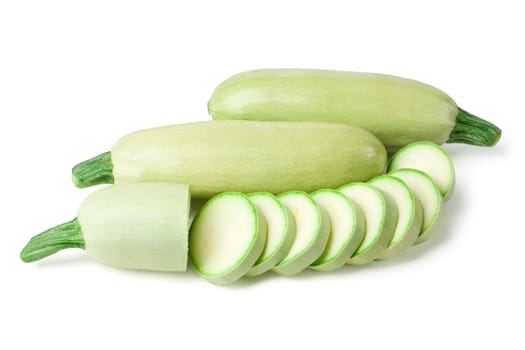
398 111
247 156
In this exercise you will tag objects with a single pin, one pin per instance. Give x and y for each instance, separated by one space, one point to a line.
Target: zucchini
409 215
380 220
427 193
312 230
226 238
137 226
430 159
280 231
243 156
398 111
347 229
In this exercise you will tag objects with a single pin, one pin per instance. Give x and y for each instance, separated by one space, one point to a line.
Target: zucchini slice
430 159
380 220
427 193
347 229
312 230
280 231
226 238
409 214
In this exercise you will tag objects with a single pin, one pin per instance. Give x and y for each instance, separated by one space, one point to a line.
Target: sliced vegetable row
356 224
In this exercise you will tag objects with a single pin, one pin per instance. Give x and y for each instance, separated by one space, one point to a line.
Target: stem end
95 171
474 130
63 236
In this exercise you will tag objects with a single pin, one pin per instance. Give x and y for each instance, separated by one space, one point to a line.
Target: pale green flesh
138 226
430 159
346 229
398 111
410 215
280 231
312 230
226 238
245 156
380 219
427 193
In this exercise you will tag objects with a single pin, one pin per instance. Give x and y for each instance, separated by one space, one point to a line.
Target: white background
77 75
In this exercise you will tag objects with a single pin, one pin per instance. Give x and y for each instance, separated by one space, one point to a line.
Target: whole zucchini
398 111
243 156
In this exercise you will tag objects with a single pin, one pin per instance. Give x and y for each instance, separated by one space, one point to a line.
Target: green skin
398 111
136 226
242 156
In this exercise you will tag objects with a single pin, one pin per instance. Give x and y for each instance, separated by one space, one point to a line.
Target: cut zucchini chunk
226 238
347 229
430 159
280 231
312 229
380 220
135 226
409 214
427 193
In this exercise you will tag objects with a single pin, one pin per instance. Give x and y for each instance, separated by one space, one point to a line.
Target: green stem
95 171
67 235
473 130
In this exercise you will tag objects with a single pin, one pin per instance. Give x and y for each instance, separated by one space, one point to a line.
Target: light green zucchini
137 226
226 237
243 156
398 111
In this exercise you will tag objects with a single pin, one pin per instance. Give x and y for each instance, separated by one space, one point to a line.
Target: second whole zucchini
398 111
243 156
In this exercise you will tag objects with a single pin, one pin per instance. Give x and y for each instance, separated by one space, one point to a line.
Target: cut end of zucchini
474 130
67 235
226 238
95 171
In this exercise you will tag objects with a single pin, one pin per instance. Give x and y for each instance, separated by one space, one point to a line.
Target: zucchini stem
67 235
474 130
95 171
